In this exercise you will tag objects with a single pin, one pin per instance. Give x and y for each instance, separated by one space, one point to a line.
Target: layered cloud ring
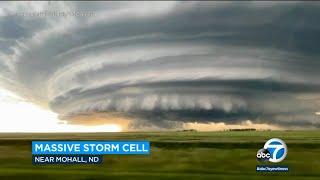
166 61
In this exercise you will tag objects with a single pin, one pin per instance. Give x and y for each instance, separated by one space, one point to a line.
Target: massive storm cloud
160 62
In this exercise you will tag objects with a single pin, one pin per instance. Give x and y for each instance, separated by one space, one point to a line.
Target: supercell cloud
166 63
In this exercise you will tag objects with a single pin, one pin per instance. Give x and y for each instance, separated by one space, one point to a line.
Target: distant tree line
245 129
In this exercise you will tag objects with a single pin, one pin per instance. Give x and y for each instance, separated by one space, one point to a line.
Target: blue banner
91 147
272 168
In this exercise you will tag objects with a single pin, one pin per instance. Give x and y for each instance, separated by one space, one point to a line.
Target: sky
112 66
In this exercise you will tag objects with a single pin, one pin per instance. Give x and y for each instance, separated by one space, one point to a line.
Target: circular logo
263 155
277 149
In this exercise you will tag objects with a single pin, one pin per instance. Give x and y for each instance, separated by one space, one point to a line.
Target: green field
174 155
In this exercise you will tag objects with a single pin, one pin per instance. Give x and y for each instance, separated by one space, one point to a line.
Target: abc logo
263 155
274 150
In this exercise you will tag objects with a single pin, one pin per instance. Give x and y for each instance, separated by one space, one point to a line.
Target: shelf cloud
166 63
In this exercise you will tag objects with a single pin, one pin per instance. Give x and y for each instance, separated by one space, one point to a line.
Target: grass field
174 155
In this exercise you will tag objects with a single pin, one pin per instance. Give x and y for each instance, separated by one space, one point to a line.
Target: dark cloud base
167 63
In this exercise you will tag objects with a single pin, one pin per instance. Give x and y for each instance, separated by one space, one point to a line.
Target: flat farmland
174 155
